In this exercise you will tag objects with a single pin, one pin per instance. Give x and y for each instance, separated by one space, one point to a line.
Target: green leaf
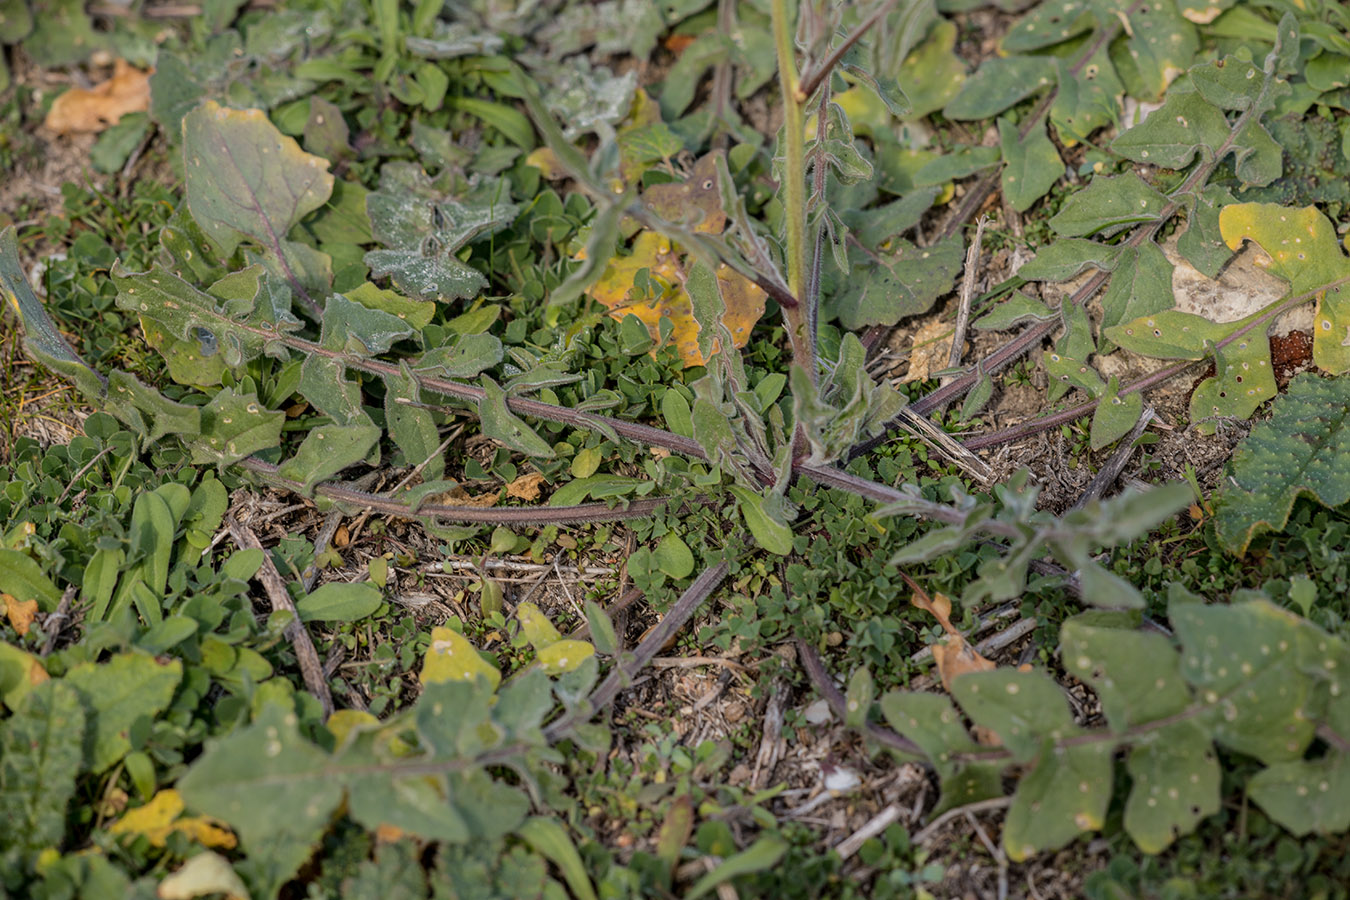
1176 779
500 424
40 755
339 602
1162 45
1141 285
1244 662
116 694
932 74
246 777
248 181
763 854
1306 796
903 282
998 84
1170 335
326 451
241 328
411 427
234 426
414 312
422 230
1108 206
673 556
63 35
1032 165
148 412
1170 137
769 533
930 721
1087 101
466 356
1023 708
1067 258
1244 380
1115 415
42 340
1202 242
1067 793
1303 448
550 839
22 578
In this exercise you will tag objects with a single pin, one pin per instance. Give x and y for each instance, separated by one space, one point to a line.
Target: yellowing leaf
159 818
20 613
20 672
546 161
744 299
345 721
97 108
695 201
564 656
1300 247
453 658
538 630
205 873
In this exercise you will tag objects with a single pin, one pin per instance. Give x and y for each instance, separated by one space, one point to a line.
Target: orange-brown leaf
99 107
526 487
20 613
956 657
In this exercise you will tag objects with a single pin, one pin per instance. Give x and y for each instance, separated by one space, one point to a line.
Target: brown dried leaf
956 657
526 487
93 110
930 351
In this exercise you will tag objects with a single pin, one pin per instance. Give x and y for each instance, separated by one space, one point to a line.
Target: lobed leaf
1303 448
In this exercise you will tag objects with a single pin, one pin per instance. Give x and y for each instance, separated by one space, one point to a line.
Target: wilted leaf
202 875
163 816
94 109
20 613
526 487
694 202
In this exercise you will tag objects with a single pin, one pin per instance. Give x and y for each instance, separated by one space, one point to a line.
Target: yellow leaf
159 818
564 656
546 161
345 721
205 873
539 631
453 658
20 613
744 299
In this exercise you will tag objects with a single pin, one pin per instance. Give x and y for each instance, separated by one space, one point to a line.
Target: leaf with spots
999 83
248 181
1249 664
1175 773
451 657
235 319
1107 206
1025 709
1067 793
1303 449
900 280
423 228
1031 165
1306 796
234 426
663 296
1300 246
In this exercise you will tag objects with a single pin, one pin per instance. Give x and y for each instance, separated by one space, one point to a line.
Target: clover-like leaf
248 181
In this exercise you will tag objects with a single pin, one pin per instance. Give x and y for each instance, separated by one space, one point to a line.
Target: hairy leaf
118 693
1031 166
40 755
1303 448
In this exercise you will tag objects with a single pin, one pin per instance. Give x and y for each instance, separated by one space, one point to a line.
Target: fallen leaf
695 201
956 657
930 350
526 487
457 496
205 873
99 107
20 613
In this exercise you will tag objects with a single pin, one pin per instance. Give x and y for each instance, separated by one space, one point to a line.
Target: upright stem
794 187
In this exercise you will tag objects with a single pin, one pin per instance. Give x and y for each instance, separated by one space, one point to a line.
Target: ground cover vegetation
663 447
